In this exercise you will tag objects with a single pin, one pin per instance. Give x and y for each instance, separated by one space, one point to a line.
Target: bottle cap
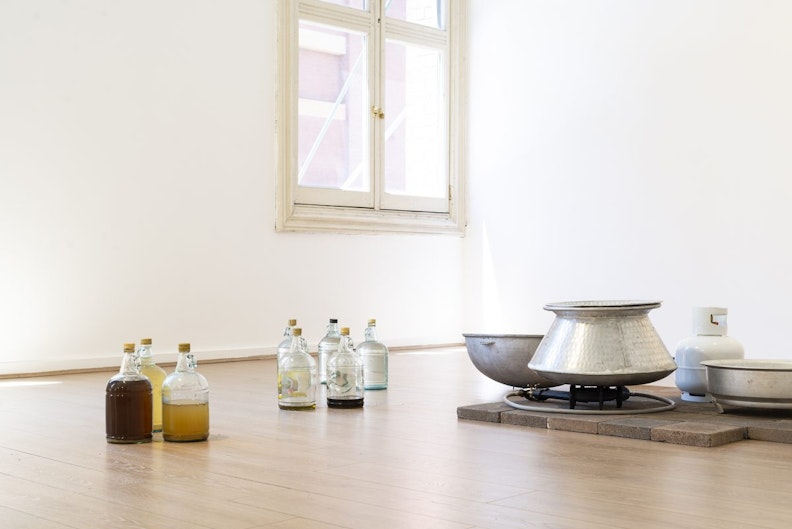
129 348
333 320
710 321
372 321
344 331
145 341
184 348
292 323
297 331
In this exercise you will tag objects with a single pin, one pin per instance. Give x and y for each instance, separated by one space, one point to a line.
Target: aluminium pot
504 358
602 343
750 383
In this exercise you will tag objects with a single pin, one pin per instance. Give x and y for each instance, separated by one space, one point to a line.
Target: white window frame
415 215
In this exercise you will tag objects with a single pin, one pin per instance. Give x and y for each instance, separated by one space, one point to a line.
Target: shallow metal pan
750 382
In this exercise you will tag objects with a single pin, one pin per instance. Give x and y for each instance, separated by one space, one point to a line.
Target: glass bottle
297 376
156 375
128 403
345 375
327 346
185 401
285 344
374 355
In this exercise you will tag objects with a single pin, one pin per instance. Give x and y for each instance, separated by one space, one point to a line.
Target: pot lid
603 304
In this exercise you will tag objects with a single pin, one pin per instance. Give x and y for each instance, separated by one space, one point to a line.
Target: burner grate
582 394
578 394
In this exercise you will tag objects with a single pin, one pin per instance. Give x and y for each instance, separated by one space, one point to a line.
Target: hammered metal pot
602 343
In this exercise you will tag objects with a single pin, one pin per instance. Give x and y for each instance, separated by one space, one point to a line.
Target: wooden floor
403 461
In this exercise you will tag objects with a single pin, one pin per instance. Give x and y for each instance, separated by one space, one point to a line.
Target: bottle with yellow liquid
185 401
156 376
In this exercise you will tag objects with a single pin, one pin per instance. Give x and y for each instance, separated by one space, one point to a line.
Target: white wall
137 196
632 150
619 149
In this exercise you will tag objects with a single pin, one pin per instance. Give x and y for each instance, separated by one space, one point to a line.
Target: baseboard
59 366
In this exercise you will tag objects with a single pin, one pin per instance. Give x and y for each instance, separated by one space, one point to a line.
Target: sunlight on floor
27 383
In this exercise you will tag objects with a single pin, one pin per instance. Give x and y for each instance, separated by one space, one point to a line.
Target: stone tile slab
525 418
773 431
490 412
577 423
632 427
698 434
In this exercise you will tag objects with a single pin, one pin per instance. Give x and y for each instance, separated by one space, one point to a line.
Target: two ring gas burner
581 394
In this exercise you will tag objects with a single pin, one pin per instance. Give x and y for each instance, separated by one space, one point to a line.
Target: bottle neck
130 364
332 329
371 333
345 345
185 363
298 345
144 355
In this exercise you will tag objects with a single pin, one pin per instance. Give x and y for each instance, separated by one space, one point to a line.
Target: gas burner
586 394
578 393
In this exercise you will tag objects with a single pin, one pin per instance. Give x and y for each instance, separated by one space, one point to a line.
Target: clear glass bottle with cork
185 401
156 376
128 405
345 385
374 355
285 344
297 376
327 346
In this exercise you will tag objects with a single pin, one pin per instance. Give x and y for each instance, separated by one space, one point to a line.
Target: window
370 128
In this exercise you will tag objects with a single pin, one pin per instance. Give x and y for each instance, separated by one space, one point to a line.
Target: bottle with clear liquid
128 403
327 346
185 401
345 375
297 376
285 344
156 376
375 358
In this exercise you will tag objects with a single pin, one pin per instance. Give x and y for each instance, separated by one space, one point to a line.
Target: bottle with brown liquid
128 403
155 375
185 401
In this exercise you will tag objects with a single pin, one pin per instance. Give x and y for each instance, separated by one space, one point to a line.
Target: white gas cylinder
709 343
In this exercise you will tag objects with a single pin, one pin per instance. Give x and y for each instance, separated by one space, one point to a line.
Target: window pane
425 12
357 4
333 124
416 139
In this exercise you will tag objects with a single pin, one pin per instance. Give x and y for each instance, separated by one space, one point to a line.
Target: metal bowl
504 358
750 383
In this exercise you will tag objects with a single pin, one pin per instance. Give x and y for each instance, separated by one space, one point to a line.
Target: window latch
377 112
